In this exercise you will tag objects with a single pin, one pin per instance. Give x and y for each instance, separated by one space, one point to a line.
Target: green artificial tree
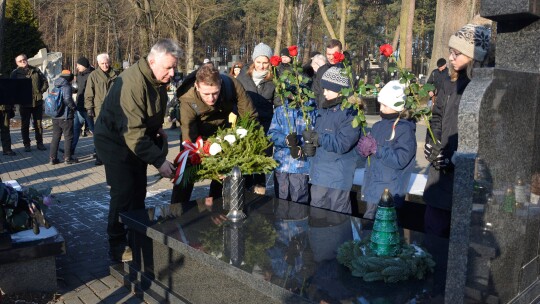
509 203
385 236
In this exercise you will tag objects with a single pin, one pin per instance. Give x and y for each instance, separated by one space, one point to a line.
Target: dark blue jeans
78 121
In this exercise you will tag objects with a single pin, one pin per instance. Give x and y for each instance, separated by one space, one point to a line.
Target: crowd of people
125 113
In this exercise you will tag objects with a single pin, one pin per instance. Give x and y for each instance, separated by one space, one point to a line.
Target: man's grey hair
166 46
103 56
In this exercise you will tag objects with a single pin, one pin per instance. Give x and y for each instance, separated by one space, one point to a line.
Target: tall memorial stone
494 250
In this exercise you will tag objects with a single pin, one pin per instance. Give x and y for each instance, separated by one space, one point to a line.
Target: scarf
258 76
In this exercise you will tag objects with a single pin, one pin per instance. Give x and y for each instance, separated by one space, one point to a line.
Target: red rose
293 50
195 159
275 60
338 57
386 50
206 147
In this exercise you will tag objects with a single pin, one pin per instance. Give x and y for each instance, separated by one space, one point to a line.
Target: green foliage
412 262
21 34
248 153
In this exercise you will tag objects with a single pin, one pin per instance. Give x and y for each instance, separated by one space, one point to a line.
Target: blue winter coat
335 159
69 105
279 129
391 166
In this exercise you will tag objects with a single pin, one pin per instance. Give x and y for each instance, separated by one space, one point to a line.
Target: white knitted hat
472 40
261 49
392 93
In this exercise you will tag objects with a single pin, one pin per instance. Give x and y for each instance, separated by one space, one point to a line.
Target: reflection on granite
282 252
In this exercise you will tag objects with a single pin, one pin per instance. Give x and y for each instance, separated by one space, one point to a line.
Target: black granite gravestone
494 241
16 91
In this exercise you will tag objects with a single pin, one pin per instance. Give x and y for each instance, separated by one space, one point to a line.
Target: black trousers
182 194
60 126
5 136
127 179
37 114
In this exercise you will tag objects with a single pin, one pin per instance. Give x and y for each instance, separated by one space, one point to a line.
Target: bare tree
2 15
145 23
342 9
447 24
326 21
405 35
279 26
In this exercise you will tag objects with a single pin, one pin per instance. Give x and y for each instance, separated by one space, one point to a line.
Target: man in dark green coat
128 136
35 110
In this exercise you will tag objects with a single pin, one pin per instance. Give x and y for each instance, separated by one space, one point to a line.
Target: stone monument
493 250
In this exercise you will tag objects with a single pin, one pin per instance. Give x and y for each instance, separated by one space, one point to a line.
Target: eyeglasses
455 54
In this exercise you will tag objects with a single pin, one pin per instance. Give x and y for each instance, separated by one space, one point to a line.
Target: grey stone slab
37 274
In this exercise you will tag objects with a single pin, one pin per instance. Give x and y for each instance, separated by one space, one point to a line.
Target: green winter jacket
97 85
131 115
39 82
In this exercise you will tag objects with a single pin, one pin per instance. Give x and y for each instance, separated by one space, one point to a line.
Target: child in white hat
392 147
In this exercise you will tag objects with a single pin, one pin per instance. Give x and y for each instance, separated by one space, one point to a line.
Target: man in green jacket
97 85
205 106
128 136
35 110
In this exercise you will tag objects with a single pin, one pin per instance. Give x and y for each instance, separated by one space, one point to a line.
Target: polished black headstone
15 91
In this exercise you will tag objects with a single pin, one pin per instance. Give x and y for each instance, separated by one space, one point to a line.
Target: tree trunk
279 27
325 19
403 22
343 22
142 26
447 24
289 27
112 13
410 22
396 38
309 31
2 16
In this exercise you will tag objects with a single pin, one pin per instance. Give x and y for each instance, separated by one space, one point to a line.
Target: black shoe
27 149
9 153
84 134
41 147
71 160
98 162
55 161
121 254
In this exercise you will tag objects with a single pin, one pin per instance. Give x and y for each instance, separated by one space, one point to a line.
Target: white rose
230 138
241 132
215 148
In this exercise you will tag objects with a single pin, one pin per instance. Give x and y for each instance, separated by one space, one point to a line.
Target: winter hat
333 80
472 40
285 52
392 93
66 74
84 62
441 62
261 50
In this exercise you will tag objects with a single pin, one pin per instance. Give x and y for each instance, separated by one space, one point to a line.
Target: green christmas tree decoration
509 203
385 239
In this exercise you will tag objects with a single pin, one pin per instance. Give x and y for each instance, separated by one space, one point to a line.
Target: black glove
90 113
434 154
311 137
309 150
291 140
296 152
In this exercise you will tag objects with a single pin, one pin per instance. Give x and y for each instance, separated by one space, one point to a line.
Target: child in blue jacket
392 147
291 175
333 139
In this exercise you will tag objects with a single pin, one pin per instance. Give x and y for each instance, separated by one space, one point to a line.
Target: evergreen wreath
411 262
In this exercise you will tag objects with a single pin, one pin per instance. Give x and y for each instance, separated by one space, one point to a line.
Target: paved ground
83 273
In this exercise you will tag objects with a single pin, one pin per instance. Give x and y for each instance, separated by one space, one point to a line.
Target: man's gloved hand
367 145
311 137
91 113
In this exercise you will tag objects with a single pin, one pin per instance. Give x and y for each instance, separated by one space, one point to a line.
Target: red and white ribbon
182 157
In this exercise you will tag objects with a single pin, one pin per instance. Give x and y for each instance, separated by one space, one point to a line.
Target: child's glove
367 145
311 142
291 140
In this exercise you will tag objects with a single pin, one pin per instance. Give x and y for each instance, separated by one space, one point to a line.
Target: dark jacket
438 78
199 119
82 77
335 160
131 116
39 82
97 85
69 108
391 166
262 95
444 124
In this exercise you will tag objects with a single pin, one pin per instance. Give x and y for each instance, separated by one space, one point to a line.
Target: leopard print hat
472 40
